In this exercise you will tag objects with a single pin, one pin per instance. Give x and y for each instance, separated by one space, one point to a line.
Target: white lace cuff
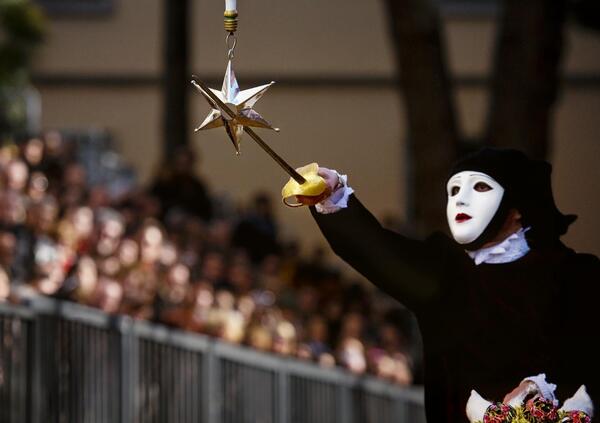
338 199
546 389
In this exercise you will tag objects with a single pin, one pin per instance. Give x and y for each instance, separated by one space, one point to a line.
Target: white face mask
473 199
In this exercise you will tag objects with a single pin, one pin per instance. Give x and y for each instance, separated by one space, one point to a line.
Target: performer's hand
525 389
331 179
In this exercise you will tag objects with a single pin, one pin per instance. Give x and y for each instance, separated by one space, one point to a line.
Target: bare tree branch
433 138
526 75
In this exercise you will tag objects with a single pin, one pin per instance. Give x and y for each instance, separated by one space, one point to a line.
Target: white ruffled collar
512 248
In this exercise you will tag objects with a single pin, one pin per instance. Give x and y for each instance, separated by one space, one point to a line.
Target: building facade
337 103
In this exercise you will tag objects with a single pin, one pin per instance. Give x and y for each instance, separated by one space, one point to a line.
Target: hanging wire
230 42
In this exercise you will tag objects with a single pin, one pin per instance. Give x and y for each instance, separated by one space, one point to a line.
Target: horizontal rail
75 359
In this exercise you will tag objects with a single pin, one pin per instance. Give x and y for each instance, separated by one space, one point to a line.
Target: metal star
238 102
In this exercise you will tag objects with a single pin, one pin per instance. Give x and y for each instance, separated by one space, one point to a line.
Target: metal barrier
62 362
15 368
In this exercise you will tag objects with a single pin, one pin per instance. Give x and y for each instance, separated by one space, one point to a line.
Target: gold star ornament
232 108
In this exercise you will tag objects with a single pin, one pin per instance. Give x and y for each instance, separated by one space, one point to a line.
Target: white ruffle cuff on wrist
338 199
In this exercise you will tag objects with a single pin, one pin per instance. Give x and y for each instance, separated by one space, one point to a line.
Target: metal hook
230 42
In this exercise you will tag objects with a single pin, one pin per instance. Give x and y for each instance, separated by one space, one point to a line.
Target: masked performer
501 301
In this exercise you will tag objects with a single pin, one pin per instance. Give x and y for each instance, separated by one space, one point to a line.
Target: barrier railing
63 362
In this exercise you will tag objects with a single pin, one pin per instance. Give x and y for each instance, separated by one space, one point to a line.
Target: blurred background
339 97
113 205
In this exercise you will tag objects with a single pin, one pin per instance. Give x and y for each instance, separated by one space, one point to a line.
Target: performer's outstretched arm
404 268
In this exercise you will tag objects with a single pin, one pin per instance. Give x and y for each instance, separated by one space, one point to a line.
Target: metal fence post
36 374
211 387
283 394
400 411
44 368
129 369
345 402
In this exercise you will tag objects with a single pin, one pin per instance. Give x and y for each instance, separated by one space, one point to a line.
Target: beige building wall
358 130
126 42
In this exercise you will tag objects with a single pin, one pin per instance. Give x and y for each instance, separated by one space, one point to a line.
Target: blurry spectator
198 317
75 230
304 352
51 264
246 306
42 216
57 154
111 227
351 355
38 185
168 255
284 341
382 364
402 372
192 243
4 285
213 266
389 337
13 210
307 301
99 197
270 274
16 176
74 189
138 207
326 360
8 152
151 241
85 280
219 233
128 254
109 295
259 338
178 187
239 276
139 290
172 294
8 242
317 336
233 327
224 300
33 153
352 326
257 231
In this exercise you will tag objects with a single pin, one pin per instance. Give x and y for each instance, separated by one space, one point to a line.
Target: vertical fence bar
283 395
127 354
44 360
400 412
212 386
36 380
344 400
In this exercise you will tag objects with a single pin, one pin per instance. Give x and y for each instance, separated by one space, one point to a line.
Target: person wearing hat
500 301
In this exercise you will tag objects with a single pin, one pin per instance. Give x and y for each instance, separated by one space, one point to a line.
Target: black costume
487 326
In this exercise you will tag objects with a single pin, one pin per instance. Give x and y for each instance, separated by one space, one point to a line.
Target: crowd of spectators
168 253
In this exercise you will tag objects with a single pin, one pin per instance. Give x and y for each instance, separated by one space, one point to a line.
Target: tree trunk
176 76
432 133
526 75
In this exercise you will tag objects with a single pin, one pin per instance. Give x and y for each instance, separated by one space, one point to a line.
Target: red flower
576 417
499 413
541 410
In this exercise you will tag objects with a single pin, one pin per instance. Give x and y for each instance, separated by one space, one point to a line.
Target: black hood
527 187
